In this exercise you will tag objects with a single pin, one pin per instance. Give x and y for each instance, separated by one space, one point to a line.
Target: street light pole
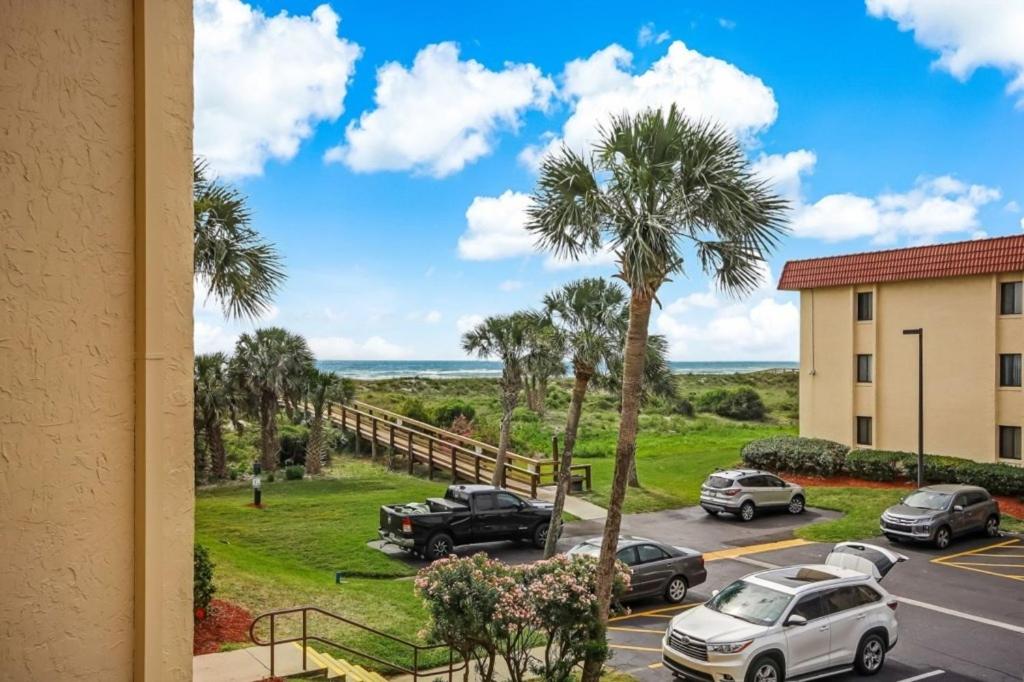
919 333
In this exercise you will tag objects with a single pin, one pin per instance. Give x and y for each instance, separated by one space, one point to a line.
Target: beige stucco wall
83 597
963 336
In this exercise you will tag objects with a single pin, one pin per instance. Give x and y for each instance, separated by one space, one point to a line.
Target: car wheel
796 505
540 535
439 546
870 654
764 669
943 536
992 526
747 511
675 591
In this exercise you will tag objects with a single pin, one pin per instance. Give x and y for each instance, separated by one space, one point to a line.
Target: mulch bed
224 622
1008 505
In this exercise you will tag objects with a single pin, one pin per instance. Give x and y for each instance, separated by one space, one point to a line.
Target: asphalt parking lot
961 610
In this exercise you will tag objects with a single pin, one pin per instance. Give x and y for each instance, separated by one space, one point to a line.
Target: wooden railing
463 458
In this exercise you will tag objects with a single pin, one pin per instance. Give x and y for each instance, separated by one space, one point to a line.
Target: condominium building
862 318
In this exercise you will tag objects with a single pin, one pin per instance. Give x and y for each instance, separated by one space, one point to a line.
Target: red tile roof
977 257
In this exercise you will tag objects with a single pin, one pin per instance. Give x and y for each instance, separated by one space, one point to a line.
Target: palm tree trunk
215 445
542 395
315 447
235 421
572 423
634 480
625 450
508 404
269 444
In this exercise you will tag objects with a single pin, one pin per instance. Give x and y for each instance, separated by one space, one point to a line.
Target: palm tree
230 258
505 337
543 361
591 314
320 388
267 364
656 181
212 401
658 380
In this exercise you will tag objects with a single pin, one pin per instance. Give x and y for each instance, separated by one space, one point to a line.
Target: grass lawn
286 554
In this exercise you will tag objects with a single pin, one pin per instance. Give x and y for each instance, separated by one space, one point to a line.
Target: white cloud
967 35
496 228
785 171
212 338
344 348
932 208
648 34
703 87
467 322
511 285
262 84
1012 207
440 114
432 317
727 24
603 257
764 328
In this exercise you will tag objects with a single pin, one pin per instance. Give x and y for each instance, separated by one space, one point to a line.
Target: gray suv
938 513
744 492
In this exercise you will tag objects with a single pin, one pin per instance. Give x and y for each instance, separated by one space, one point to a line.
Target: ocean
443 369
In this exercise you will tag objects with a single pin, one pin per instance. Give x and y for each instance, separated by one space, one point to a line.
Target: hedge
813 456
819 457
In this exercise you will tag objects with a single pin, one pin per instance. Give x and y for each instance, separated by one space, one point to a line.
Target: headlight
729 647
923 526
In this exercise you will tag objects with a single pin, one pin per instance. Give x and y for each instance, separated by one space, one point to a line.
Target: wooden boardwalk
461 457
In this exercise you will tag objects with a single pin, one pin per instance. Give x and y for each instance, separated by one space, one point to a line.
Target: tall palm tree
505 337
320 388
267 364
655 183
543 361
237 267
658 380
591 314
212 401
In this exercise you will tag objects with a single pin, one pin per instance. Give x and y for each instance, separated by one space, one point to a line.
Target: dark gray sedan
657 569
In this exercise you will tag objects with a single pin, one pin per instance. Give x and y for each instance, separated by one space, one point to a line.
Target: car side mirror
958 507
797 620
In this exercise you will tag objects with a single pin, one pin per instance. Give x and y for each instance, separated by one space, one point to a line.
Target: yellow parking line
633 648
644 630
655 666
965 563
980 566
653 612
942 559
734 552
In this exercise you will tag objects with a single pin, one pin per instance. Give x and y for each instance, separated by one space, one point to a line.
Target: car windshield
927 499
752 603
719 482
586 549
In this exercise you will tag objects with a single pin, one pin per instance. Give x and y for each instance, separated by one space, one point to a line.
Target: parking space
957 622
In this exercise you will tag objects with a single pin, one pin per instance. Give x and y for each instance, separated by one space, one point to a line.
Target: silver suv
938 513
746 491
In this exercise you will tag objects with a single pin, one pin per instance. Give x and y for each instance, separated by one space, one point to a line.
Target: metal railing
416 650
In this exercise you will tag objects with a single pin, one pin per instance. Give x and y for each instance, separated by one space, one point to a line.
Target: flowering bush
485 609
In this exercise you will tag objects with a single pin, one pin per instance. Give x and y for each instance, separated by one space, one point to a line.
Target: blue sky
388 149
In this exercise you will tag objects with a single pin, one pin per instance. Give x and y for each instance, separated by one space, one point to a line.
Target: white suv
790 623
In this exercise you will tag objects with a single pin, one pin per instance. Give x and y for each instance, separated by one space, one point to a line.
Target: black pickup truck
466 514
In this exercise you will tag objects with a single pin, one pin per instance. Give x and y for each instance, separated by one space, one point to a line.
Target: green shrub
812 456
294 472
874 465
446 413
743 403
682 407
413 409
294 439
202 581
998 479
708 401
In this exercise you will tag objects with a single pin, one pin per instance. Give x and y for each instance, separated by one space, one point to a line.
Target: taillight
407 525
892 604
701 560
731 491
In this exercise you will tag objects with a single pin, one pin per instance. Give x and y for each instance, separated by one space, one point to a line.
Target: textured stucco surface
68 345
963 336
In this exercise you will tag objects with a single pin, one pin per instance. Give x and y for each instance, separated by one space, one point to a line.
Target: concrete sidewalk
249 664
579 508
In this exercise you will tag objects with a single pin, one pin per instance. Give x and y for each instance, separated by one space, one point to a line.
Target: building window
863 430
865 306
1009 442
1009 369
1010 302
863 369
